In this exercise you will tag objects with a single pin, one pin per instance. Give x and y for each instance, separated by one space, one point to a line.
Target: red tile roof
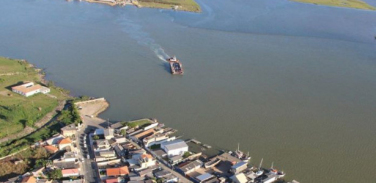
70 171
117 171
65 141
112 181
51 149
29 179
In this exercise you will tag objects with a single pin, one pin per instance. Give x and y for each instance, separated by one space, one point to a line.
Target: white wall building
29 89
174 148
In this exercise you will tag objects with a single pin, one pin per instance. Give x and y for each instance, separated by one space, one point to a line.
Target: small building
189 167
70 172
55 139
204 177
69 130
175 159
51 149
29 89
174 148
69 157
64 144
101 145
29 179
108 133
143 134
239 178
107 153
146 172
238 167
157 138
99 131
146 160
116 172
112 180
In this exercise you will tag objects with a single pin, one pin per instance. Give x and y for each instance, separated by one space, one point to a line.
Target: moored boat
212 162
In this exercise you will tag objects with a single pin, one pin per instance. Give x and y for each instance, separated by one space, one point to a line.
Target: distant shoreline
182 5
353 4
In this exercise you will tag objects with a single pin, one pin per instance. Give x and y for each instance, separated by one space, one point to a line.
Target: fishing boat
212 162
260 171
175 65
274 171
239 154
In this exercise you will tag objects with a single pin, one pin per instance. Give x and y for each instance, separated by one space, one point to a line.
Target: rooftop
190 165
175 144
29 179
117 171
52 149
27 87
70 171
65 141
69 127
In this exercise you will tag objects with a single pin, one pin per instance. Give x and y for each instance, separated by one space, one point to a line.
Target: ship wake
135 31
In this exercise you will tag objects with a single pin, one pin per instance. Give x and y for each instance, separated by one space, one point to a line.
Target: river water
292 83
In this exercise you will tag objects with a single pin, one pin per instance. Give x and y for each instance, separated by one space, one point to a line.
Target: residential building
239 178
70 172
65 144
69 157
101 145
239 167
51 149
175 159
157 138
116 172
143 134
174 148
204 177
146 160
29 179
69 130
108 133
29 89
189 167
54 140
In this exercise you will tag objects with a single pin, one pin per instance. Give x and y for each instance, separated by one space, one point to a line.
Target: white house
29 89
174 148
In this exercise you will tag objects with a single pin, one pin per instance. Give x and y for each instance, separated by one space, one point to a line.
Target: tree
123 132
54 174
96 137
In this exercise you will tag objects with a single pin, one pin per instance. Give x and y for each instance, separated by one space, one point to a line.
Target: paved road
88 168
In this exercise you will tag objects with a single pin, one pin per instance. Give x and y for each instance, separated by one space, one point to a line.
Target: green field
16 111
181 5
139 123
357 4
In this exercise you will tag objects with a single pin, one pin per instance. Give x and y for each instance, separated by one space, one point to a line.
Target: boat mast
272 165
238 146
261 163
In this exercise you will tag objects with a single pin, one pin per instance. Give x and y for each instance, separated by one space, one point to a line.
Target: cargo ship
175 65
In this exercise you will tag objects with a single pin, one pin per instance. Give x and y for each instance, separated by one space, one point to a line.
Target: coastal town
139 151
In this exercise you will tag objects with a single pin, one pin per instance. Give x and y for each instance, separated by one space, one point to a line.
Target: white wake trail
135 31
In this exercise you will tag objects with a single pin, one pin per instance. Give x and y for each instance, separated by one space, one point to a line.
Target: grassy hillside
357 4
181 5
16 111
